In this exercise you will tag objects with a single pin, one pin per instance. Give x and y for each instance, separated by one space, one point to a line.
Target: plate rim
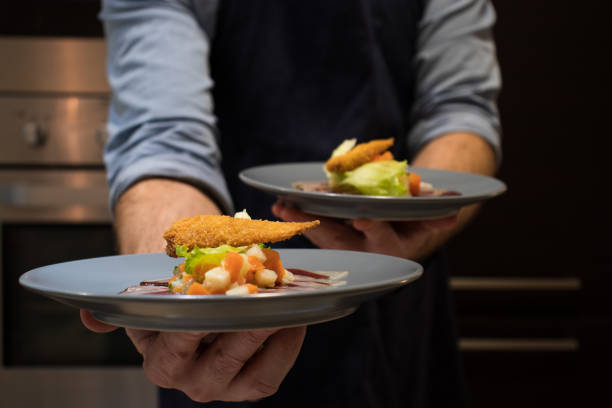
457 199
151 298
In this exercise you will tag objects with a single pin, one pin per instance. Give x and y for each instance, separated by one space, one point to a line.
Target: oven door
48 357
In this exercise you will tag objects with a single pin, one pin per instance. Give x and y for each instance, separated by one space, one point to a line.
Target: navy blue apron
293 79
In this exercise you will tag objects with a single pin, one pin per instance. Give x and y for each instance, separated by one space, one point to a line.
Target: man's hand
412 240
234 366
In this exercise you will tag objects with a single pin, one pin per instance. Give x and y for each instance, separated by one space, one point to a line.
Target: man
292 79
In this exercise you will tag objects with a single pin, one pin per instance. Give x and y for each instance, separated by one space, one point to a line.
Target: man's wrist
460 151
146 210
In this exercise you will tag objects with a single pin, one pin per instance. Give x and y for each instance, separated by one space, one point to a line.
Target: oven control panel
53 130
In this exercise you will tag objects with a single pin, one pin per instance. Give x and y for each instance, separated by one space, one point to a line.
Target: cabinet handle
519 344
505 283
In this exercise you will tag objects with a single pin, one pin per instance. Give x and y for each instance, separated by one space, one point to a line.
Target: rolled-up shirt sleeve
161 121
458 77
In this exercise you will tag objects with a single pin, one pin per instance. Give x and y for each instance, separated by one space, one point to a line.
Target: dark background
553 221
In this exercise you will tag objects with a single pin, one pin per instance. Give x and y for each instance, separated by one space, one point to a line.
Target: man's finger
331 233
221 362
441 223
264 373
169 356
95 325
378 234
141 339
289 213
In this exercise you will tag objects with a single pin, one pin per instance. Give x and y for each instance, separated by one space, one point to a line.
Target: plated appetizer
227 255
370 169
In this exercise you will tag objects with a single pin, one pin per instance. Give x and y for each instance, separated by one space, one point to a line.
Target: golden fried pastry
358 155
210 231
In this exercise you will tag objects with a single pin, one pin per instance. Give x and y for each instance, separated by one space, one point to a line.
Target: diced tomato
383 156
255 263
415 184
250 276
233 264
274 263
197 289
254 266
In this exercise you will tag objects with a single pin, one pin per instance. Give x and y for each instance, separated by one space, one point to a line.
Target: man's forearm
464 152
458 151
148 208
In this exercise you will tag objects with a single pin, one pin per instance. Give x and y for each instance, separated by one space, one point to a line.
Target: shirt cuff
192 172
457 120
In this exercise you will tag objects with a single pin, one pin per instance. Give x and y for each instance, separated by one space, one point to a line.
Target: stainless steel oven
53 208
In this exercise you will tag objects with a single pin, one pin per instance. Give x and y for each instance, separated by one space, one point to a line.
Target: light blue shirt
162 122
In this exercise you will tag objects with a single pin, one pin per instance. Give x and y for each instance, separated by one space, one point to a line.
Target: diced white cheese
288 277
265 278
238 290
256 251
217 279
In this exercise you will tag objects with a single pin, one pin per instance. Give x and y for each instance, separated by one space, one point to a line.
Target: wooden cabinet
532 274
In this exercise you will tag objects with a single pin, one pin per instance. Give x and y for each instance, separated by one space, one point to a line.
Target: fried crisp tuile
358 155
210 231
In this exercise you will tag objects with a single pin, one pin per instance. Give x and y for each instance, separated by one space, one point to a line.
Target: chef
203 89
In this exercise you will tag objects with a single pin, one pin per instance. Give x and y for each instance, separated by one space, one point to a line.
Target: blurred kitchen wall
53 197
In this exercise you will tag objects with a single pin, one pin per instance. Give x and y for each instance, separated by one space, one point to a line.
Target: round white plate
94 284
277 179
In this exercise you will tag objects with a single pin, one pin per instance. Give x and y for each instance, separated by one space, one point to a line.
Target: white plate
94 284
277 179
